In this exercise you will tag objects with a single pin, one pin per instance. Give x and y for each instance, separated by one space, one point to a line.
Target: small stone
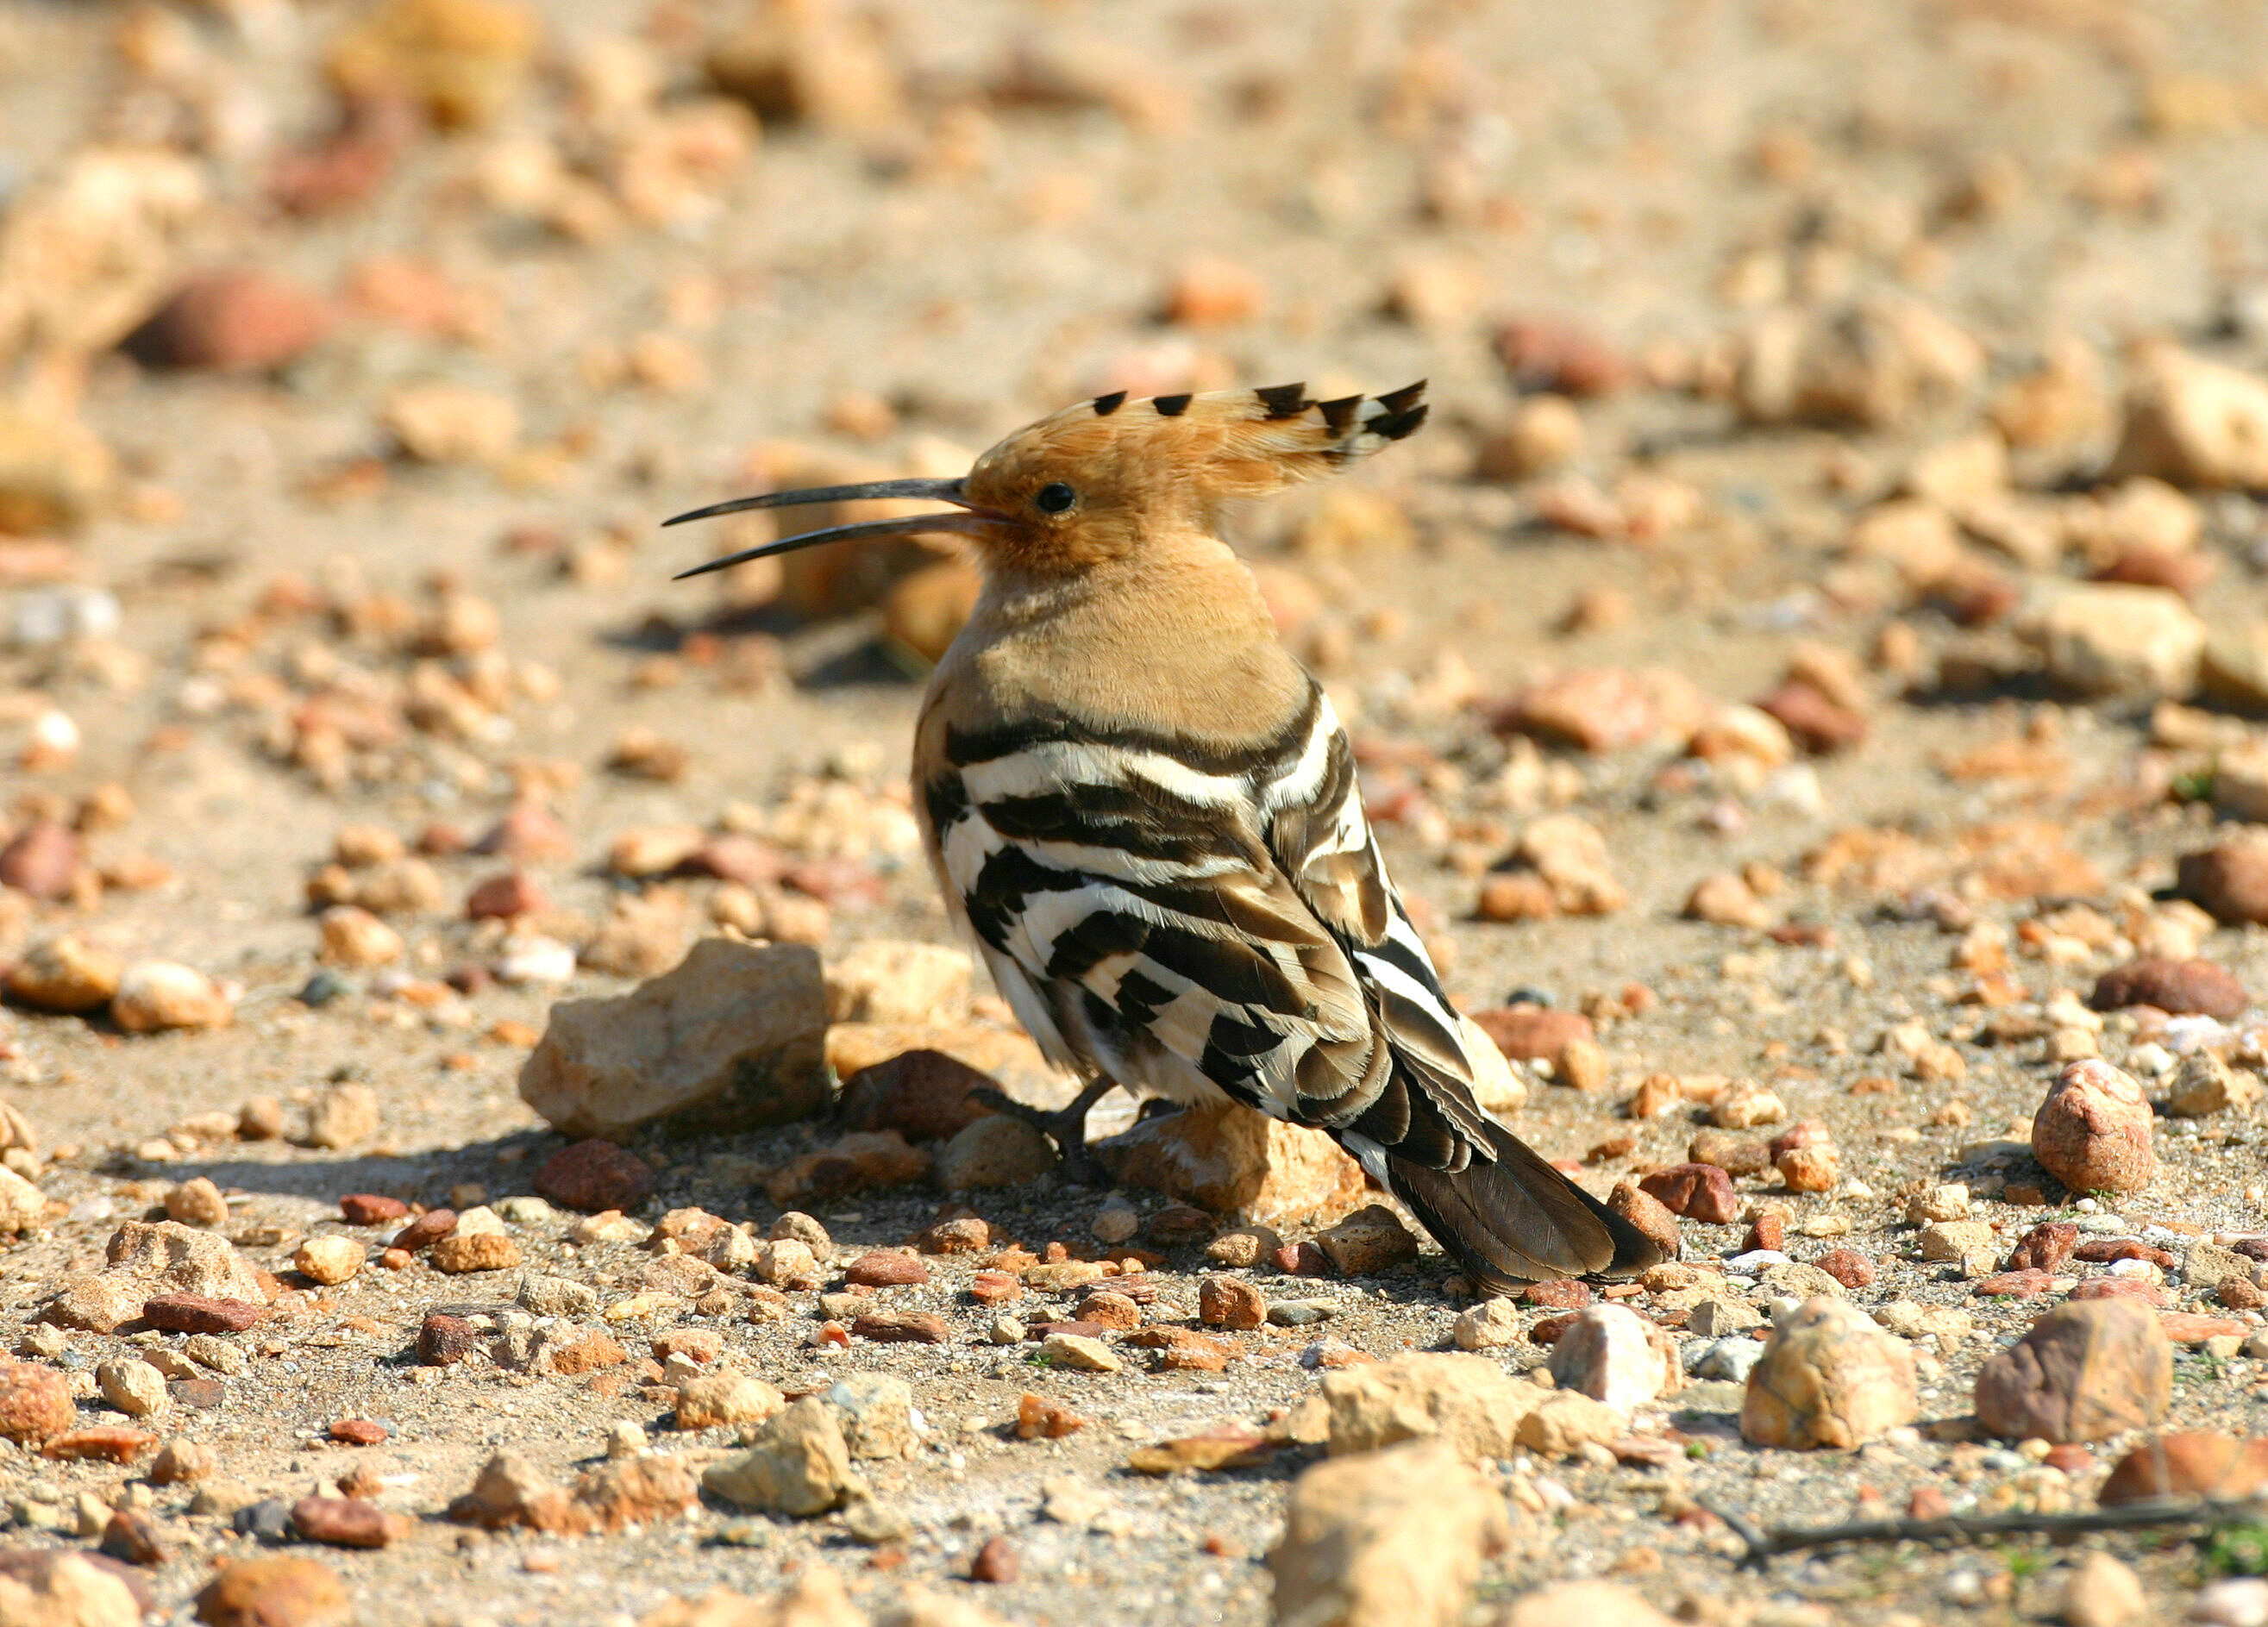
135 1387
1242 1246
1696 1191
371 1209
181 1461
2204 1085
197 1202
329 1259
594 1175
1230 1302
799 1465
1565 1422
2104 1592
1848 1267
507 897
543 1295
902 1327
36 1403
1106 1309
341 1522
2187 1463
1388 1537
342 1117
734 1038
236 320
2045 1248
157 995
1468 1400
924 1095
887 1268
2172 986
2083 1372
103 1444
63 975
1231 1160
1829 1377
1612 1354
2228 880
1727 900
275 1592
1370 1241
1491 1325
997 1152
876 1414
445 1340
2093 1132
721 1398
353 937
201 1313
426 1230
1080 1353
2193 423
486 1251
1582 1604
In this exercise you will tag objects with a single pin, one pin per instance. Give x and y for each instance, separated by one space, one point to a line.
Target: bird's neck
1173 638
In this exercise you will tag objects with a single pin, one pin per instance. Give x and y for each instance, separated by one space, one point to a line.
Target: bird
1143 813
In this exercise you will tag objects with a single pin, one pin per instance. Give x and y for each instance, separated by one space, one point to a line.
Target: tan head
1090 483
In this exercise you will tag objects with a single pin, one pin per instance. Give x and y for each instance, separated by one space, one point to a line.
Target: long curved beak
969 521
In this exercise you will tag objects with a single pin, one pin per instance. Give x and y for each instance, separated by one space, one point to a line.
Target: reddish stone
35 1402
359 1432
42 860
738 858
887 1268
443 1340
964 1234
2185 1328
2174 986
350 164
995 1562
1568 1295
1038 1418
1039 1330
834 881
2108 1250
1546 1329
924 1095
1848 1266
1817 723
1768 1230
370 1208
2020 1285
594 1175
1230 1302
1928 1503
1534 1033
195 1313
2120 1288
1185 1350
528 831
112 1443
1696 1191
231 321
994 1288
2071 1458
1599 709
2045 1247
506 896
131 1538
1300 1260
342 1521
426 1230
2187 1463
901 1327
2229 882
1541 354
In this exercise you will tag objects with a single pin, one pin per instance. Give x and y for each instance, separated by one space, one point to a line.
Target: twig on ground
1766 1545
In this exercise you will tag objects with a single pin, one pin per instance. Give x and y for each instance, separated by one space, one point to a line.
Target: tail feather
1510 1218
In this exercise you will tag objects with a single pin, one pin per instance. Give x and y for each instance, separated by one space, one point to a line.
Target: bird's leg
1066 1127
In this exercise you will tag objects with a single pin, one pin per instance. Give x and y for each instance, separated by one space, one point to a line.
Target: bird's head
1090 483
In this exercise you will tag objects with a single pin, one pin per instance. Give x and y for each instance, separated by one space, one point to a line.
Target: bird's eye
1054 498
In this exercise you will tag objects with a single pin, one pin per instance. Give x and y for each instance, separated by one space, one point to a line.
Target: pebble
799 1465
135 1387
1491 1325
1391 1536
2093 1131
330 1260
2082 1371
275 1592
592 1175
1301 1313
2187 1463
1695 1191
485 1251
1080 1353
1230 1302
1612 1354
341 1522
1829 1377
2175 986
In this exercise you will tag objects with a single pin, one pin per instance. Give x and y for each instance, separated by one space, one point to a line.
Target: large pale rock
64 1590
890 980
2194 423
799 1465
2084 1372
1830 1377
1582 1604
2115 638
1611 1353
22 1204
2093 1132
735 1037
183 1259
1468 1402
1385 1539
1235 1162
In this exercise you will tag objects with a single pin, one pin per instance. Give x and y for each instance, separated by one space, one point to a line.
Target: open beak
967 519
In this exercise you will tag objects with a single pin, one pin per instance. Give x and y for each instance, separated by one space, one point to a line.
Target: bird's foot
1066 1127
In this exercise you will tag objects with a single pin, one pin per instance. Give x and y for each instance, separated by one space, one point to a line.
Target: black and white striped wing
1136 896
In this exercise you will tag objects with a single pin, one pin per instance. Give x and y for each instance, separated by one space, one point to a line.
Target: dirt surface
1051 200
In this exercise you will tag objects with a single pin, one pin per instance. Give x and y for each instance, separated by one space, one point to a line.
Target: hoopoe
1144 812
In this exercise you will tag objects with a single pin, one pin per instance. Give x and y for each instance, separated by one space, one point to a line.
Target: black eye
1054 498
